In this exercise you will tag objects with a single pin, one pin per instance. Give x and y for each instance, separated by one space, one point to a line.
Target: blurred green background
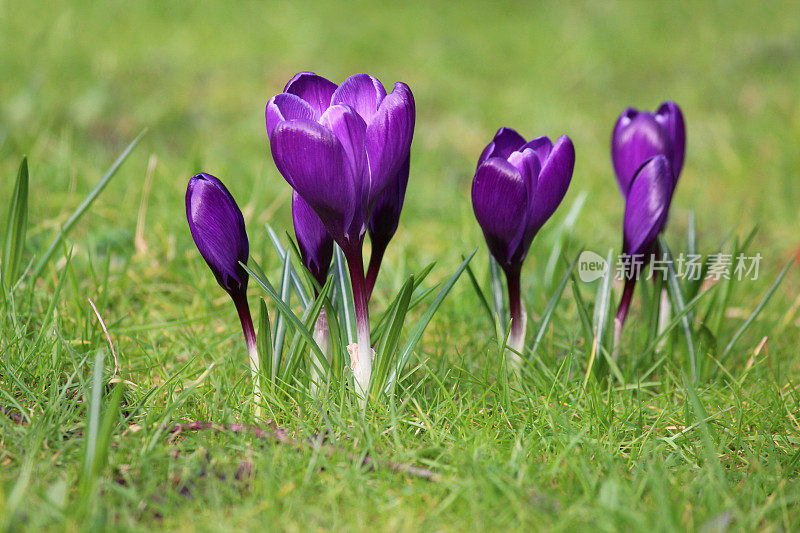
78 80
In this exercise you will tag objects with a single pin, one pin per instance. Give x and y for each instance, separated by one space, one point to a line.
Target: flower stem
322 336
240 301
663 318
375 259
622 314
362 366
519 317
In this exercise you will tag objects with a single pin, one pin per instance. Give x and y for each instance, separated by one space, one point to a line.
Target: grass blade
85 204
756 311
296 281
602 303
419 327
344 292
284 309
264 342
280 324
16 227
551 306
497 293
479 292
387 346
678 302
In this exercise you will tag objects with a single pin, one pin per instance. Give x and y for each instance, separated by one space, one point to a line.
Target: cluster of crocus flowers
647 151
517 187
340 148
218 230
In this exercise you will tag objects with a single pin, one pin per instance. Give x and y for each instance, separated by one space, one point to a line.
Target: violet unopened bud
218 230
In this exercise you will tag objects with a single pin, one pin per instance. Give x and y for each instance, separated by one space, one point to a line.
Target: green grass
647 450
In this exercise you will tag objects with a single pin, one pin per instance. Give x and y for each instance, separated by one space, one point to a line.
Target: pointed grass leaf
16 227
760 307
551 305
678 303
344 295
84 206
283 309
387 345
481 296
280 325
497 291
422 323
264 343
296 281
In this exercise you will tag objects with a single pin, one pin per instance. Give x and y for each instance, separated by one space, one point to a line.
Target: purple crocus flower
640 135
339 147
646 209
384 220
638 139
314 241
217 227
517 186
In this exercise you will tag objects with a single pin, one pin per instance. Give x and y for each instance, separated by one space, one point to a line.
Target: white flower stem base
322 336
516 341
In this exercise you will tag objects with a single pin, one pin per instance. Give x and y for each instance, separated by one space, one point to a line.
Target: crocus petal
312 159
647 205
554 180
505 141
499 200
314 241
386 213
670 117
218 230
389 137
286 106
312 88
362 92
527 162
637 137
542 145
351 131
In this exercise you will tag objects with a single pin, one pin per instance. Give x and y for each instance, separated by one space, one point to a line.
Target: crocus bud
647 206
640 135
340 147
314 241
218 230
517 186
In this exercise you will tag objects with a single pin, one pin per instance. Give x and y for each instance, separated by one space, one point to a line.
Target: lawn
463 443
